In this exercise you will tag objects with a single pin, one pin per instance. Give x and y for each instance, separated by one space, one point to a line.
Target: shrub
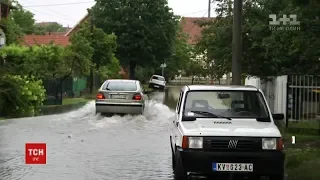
20 95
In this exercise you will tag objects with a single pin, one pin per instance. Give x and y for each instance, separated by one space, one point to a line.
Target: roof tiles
31 40
190 27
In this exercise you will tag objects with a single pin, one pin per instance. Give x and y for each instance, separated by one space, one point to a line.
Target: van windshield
158 78
229 104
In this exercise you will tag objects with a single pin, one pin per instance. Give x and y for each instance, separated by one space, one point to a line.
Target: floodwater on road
85 146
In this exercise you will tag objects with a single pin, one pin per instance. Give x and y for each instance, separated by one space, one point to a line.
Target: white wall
274 90
280 103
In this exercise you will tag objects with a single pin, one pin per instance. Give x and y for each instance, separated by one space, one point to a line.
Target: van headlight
195 142
269 143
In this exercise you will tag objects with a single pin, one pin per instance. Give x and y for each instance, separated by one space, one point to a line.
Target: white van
157 81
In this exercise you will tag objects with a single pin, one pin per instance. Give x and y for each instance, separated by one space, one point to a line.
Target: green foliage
181 54
20 95
47 61
195 67
144 74
23 18
24 66
110 71
216 48
80 54
103 45
14 57
145 30
12 31
20 22
304 160
51 27
266 52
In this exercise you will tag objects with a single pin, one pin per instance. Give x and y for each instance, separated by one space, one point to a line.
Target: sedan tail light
137 97
100 96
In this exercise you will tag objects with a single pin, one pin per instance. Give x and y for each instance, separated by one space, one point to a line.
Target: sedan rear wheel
142 110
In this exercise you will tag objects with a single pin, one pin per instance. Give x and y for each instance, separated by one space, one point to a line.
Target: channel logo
36 153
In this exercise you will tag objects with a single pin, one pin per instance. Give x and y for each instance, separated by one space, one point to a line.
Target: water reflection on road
85 146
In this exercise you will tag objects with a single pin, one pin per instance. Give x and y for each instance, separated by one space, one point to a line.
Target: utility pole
229 14
91 33
236 43
209 9
207 53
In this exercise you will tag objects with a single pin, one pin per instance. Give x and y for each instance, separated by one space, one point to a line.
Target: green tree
195 68
103 45
266 52
48 28
181 54
145 30
14 58
23 18
51 62
144 74
54 27
20 95
18 23
110 70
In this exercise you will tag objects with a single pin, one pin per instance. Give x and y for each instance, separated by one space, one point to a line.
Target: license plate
118 96
232 167
156 86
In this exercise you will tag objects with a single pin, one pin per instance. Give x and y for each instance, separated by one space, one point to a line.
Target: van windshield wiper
209 114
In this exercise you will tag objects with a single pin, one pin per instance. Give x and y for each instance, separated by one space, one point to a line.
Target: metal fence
197 80
296 96
56 91
53 92
303 98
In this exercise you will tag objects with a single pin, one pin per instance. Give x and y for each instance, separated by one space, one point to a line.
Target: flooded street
85 146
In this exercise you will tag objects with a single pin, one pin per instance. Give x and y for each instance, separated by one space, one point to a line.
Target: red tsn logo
36 153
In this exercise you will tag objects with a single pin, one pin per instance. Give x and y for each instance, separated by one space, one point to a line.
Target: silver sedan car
121 96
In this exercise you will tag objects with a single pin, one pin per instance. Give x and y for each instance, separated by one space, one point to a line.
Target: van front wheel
179 172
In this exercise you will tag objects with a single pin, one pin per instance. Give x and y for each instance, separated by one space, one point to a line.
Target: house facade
5 7
191 27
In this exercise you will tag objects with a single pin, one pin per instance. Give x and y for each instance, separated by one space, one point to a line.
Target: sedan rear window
120 86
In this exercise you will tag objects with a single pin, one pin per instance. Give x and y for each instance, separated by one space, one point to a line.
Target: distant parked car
157 81
119 96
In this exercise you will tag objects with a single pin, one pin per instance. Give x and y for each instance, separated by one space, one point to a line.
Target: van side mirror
278 117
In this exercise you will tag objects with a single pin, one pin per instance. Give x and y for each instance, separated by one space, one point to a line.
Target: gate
268 88
303 98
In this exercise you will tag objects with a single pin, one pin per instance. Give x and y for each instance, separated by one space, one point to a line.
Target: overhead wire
31 9
62 4
62 16
206 10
